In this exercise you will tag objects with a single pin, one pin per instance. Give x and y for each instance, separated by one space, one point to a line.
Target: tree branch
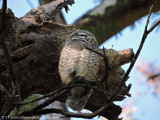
115 17
7 105
45 12
4 47
55 95
155 25
154 76
114 94
74 82
107 67
140 47
117 90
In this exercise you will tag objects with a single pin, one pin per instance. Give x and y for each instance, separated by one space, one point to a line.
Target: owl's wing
68 60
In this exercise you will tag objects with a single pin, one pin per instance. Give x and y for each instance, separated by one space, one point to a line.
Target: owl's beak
89 39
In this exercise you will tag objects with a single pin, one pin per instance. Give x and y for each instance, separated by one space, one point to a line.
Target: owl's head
82 37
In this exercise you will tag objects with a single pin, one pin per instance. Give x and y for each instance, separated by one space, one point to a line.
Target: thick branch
4 47
115 17
45 12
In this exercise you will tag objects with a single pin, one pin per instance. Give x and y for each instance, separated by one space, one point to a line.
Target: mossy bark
115 18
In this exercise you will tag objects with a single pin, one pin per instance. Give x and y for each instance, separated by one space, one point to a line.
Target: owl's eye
83 36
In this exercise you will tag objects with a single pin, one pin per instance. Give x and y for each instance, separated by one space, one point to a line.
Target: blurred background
119 23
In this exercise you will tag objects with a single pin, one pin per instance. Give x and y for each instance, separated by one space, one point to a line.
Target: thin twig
102 55
118 89
96 89
64 88
68 114
102 91
113 60
154 76
45 96
155 24
107 67
140 47
44 104
55 95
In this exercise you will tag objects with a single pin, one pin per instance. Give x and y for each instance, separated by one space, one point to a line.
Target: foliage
25 107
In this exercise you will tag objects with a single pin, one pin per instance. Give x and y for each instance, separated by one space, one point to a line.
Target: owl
75 61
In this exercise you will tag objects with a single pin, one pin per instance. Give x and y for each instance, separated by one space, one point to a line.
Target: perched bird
74 61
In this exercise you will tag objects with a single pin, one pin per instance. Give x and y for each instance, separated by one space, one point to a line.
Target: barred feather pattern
74 61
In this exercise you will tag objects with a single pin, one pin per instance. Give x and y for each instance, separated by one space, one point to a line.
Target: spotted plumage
74 61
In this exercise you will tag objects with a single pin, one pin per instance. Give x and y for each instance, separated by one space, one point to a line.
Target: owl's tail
79 97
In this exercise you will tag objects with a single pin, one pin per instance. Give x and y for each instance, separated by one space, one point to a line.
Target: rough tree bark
34 43
110 17
59 18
